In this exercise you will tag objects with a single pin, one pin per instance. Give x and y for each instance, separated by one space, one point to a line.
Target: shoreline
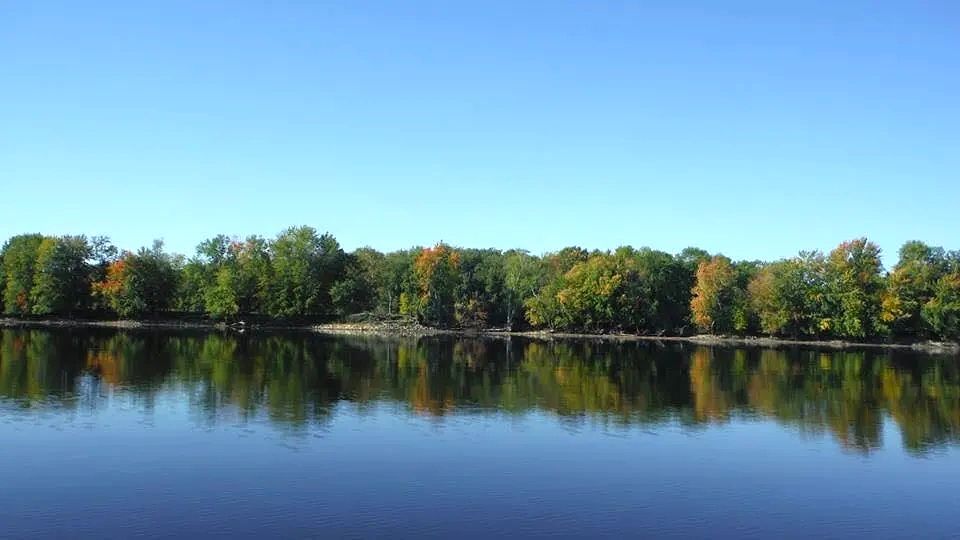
412 329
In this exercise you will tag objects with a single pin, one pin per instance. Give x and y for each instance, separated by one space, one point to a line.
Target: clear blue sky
749 128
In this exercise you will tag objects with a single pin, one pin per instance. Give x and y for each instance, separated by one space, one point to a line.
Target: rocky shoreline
752 341
381 328
404 328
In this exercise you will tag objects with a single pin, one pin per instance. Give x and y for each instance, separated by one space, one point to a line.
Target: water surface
111 434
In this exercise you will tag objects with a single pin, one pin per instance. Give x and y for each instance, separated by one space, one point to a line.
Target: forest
303 276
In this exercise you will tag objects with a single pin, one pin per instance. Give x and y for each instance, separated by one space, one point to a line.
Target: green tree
910 286
62 276
659 280
544 309
220 297
153 278
480 293
19 258
254 273
373 269
397 282
304 266
238 275
195 279
523 277
785 295
355 292
214 251
854 288
618 291
942 312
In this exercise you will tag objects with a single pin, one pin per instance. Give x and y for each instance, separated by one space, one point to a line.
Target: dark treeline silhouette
298 380
302 275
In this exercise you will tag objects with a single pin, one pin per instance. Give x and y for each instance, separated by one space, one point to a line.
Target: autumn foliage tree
305 275
141 283
715 295
437 273
592 294
110 290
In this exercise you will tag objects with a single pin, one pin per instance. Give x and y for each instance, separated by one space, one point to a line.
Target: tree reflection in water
296 380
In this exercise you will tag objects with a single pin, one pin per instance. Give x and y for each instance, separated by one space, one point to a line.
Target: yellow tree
438 271
714 295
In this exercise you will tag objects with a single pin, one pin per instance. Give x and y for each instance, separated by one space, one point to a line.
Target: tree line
303 275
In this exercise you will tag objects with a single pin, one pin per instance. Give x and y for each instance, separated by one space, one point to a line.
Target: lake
109 434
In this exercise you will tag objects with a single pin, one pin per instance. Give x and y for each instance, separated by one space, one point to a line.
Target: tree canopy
305 275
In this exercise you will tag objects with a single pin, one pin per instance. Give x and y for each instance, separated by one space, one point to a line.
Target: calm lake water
111 434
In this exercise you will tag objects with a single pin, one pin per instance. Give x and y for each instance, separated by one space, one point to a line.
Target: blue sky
750 128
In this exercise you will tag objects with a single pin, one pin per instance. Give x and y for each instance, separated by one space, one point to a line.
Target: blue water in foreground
115 435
